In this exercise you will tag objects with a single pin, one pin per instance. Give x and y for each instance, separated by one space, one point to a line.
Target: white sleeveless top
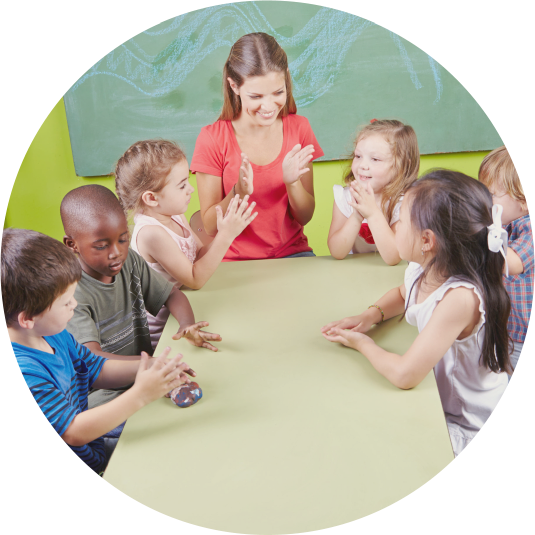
187 245
468 390
342 196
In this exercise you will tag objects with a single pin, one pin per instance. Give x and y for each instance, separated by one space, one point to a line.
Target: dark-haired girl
261 148
453 290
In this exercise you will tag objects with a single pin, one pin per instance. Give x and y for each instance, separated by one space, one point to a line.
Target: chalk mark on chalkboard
406 60
436 74
322 45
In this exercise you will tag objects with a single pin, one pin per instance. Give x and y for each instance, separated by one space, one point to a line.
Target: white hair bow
497 237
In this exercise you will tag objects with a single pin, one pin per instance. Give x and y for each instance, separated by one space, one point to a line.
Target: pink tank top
187 244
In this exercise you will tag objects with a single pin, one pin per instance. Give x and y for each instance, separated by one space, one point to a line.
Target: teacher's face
262 97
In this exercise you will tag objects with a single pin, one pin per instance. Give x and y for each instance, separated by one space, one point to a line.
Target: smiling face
373 162
102 246
174 197
54 319
262 98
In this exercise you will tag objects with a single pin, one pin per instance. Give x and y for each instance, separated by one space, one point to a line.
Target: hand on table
295 163
156 377
244 186
194 335
238 216
364 198
361 323
351 339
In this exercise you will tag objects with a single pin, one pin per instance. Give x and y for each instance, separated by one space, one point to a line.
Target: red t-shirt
274 233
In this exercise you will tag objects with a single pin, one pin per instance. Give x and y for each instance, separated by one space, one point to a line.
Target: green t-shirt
114 315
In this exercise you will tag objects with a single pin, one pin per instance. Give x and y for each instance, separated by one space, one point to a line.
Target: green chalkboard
166 82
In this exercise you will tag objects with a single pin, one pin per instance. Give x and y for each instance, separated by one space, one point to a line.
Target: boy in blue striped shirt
39 277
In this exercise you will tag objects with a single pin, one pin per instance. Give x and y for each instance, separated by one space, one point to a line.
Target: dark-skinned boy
117 286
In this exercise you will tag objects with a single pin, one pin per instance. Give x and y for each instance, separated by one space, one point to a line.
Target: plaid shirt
520 287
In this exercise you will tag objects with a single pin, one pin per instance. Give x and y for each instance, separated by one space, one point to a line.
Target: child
117 287
39 278
151 180
365 213
453 289
498 173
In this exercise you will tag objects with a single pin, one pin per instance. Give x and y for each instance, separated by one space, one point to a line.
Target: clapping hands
155 377
238 216
244 186
363 199
295 163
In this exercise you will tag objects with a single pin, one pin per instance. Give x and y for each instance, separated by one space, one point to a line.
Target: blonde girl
385 163
152 183
454 293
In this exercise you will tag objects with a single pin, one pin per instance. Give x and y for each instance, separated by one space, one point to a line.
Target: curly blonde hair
145 166
404 146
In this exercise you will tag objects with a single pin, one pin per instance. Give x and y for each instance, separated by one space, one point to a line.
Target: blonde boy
498 173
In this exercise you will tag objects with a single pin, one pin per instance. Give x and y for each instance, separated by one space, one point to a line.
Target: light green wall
47 174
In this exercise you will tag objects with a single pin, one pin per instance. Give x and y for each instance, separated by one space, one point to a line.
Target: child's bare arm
514 263
385 240
151 382
392 304
179 306
456 314
343 232
95 348
157 243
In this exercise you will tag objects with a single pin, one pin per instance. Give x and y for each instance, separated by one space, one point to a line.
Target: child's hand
354 204
237 217
365 199
156 377
348 338
294 165
244 186
196 337
361 323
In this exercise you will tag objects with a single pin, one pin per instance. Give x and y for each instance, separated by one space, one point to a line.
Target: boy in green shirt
117 285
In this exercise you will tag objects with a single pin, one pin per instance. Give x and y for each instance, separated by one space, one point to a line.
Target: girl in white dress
453 289
385 163
152 183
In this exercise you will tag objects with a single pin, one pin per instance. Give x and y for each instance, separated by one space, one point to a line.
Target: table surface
293 433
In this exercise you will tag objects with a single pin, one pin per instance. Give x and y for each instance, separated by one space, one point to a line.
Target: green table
293 433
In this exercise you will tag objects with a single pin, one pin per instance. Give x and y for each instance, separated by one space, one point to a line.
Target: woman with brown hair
261 148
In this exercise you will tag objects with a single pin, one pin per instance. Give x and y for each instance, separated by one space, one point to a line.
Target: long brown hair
404 147
254 54
458 209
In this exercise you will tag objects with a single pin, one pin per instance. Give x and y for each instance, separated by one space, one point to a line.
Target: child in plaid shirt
498 173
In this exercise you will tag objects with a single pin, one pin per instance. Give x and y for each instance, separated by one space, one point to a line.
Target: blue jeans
298 255
515 355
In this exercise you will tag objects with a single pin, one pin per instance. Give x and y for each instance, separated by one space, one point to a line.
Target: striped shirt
60 383
520 287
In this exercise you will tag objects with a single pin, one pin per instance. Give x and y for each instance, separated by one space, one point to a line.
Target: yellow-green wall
47 174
